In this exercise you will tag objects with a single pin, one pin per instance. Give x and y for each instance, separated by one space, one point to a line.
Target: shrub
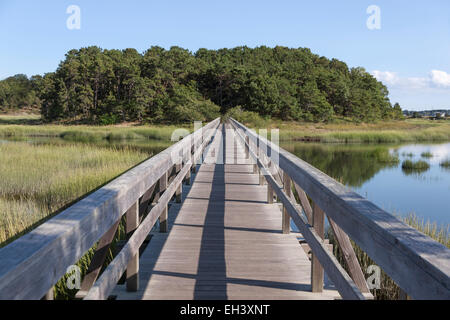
426 154
410 167
108 119
445 163
408 164
248 118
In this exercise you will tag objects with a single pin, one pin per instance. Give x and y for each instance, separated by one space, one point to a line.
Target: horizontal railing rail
419 265
31 265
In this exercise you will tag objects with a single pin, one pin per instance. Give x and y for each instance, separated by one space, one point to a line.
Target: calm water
371 171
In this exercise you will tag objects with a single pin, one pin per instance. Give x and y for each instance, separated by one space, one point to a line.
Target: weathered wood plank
132 223
163 227
350 257
286 222
97 261
317 275
304 202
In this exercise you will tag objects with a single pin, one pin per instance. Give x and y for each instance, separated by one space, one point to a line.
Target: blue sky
410 53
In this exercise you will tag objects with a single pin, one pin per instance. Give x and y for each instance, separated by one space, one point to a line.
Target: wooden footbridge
210 218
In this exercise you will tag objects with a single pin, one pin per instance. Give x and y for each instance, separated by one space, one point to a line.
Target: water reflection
351 165
375 172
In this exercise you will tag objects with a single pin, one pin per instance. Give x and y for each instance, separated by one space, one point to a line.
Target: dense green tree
397 111
18 92
177 85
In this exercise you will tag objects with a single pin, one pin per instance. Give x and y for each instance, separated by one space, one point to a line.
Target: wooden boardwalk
224 239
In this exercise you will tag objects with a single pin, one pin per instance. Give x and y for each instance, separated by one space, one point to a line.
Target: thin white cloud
440 78
388 77
435 79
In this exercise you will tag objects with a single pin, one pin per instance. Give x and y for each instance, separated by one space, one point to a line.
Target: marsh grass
445 163
348 132
90 133
38 180
415 166
408 154
27 119
426 154
389 289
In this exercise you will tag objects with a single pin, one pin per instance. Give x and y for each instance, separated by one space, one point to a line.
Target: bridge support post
188 177
132 216
179 189
316 268
261 177
269 193
163 227
286 219
247 153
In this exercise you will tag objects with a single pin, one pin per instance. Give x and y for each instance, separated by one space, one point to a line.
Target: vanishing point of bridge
210 218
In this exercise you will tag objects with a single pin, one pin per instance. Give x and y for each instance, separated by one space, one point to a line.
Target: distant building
437 113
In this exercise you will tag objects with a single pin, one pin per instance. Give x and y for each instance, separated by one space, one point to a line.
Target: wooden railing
31 265
418 264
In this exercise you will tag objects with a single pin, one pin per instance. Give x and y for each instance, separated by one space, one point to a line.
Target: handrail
417 263
31 265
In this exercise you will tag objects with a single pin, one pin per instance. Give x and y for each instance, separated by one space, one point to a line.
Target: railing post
163 226
188 177
179 189
132 216
286 219
247 153
316 268
269 193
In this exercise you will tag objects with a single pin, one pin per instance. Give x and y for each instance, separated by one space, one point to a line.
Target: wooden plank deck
224 240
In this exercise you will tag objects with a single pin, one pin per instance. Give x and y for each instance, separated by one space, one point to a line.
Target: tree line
176 85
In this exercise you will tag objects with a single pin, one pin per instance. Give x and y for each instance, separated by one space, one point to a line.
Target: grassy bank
88 133
389 289
413 130
31 126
